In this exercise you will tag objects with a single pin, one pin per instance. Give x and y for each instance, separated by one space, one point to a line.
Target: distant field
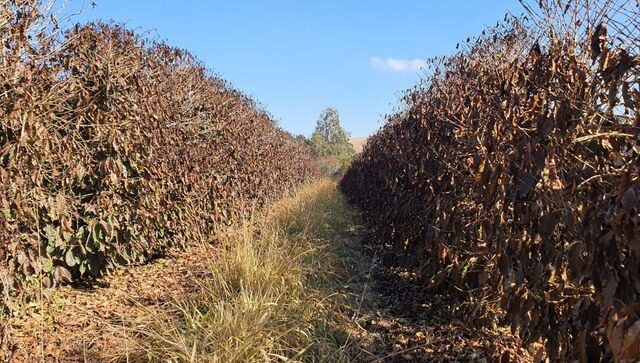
358 143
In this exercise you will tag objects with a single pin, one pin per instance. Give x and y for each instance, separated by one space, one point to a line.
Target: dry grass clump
274 292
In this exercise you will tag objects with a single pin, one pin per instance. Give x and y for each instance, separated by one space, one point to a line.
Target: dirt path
406 322
76 323
361 309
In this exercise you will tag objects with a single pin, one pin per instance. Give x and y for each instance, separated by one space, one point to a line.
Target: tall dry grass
279 290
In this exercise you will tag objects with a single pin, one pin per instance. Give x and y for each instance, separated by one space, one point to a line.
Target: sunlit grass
278 290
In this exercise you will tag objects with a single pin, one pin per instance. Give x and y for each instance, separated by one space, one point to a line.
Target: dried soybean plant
510 181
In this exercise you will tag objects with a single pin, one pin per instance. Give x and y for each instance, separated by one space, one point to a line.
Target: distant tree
329 138
303 139
330 144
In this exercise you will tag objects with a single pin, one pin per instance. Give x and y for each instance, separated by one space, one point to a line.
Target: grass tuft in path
284 287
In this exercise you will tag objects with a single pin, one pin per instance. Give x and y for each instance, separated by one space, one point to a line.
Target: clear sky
299 56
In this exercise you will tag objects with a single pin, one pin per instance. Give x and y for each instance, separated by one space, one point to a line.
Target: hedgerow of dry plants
510 181
114 147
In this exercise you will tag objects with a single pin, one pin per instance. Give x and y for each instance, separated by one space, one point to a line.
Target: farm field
152 210
358 143
290 281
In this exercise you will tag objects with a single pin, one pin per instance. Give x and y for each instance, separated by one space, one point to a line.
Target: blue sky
299 56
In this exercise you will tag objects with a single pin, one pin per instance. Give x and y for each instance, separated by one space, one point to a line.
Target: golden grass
279 290
358 143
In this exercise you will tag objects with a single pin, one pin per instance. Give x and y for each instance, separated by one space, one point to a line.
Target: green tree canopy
303 139
329 139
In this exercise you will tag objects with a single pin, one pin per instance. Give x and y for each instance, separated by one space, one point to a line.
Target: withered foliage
114 147
510 181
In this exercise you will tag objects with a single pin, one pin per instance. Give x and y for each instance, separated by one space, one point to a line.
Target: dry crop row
511 179
114 147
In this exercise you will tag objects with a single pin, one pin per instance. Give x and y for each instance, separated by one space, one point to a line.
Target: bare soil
407 323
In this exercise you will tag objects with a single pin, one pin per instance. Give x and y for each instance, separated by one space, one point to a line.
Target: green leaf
47 264
50 250
53 236
51 233
70 259
98 237
81 236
